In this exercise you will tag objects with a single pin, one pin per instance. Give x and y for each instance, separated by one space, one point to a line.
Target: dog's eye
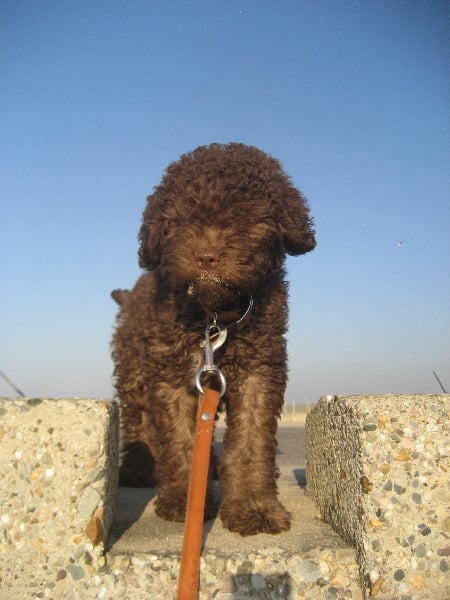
170 225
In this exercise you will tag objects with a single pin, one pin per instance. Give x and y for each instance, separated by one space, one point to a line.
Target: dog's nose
207 260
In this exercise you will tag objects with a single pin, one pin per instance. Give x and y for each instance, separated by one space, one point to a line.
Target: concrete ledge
266 574
309 561
58 473
58 468
378 468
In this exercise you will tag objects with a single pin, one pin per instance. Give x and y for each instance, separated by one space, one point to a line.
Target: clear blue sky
97 97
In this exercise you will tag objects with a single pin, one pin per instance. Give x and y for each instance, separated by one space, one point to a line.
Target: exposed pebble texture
266 575
58 473
58 468
379 470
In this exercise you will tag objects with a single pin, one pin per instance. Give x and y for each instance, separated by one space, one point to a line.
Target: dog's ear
295 224
150 236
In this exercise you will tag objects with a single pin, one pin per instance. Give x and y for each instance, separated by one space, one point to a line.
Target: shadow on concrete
260 585
300 477
131 504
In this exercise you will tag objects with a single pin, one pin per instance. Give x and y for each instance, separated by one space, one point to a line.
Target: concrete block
58 473
378 468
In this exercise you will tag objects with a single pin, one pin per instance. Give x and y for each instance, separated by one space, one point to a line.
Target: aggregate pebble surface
379 470
57 492
384 486
330 574
58 466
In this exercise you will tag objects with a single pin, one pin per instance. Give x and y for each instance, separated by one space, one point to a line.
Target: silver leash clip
214 338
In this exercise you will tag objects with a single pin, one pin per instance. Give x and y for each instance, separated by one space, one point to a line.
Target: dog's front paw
249 517
172 506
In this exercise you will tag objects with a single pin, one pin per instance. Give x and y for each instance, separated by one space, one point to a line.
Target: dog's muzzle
212 290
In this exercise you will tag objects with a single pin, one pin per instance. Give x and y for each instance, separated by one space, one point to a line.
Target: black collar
233 318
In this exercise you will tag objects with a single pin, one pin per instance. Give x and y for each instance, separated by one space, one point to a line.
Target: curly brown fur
214 232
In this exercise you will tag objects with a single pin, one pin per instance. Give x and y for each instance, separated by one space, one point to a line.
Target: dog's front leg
248 472
174 421
173 418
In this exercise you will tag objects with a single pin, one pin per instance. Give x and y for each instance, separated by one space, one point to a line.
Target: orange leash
193 529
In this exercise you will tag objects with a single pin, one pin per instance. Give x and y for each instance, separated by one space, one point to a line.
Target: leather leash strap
193 529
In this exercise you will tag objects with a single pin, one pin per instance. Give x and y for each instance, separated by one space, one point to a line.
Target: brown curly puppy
215 233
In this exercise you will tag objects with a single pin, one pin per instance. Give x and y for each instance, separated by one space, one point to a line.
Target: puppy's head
221 221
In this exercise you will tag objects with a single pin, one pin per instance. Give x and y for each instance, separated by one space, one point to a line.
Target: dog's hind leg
136 460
